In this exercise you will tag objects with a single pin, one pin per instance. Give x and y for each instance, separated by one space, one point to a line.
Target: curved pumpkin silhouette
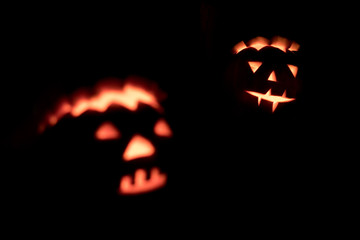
125 115
265 72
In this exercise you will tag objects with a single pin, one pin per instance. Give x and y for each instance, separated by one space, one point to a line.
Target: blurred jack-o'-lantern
117 124
265 72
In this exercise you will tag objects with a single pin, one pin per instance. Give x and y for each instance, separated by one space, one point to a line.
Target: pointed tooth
274 106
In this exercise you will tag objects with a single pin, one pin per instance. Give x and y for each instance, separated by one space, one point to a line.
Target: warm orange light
141 184
239 47
162 128
260 42
293 69
52 119
107 131
271 98
129 96
254 65
294 47
280 43
138 147
272 77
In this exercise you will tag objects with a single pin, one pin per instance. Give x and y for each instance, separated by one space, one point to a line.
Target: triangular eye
107 131
293 69
254 65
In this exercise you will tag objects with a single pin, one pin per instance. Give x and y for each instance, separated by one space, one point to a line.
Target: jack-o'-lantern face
265 72
126 121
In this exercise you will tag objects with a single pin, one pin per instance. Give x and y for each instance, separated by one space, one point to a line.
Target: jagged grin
271 98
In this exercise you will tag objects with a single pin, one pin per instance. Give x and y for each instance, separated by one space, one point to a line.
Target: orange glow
239 47
53 120
63 108
280 43
294 47
138 147
272 77
260 42
107 131
293 69
271 98
128 96
141 184
162 128
254 65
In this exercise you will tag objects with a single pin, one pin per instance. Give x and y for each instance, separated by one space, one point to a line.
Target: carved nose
138 147
272 77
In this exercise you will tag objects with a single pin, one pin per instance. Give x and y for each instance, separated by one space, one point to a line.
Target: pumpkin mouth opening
142 182
275 99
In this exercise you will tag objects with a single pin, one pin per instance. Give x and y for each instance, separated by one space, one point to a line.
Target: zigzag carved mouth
275 99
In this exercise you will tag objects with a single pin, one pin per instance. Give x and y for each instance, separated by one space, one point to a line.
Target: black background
224 162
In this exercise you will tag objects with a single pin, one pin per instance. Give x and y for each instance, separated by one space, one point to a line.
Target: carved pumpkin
264 72
127 117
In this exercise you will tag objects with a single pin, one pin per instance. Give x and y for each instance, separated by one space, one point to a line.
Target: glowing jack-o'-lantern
265 72
127 115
